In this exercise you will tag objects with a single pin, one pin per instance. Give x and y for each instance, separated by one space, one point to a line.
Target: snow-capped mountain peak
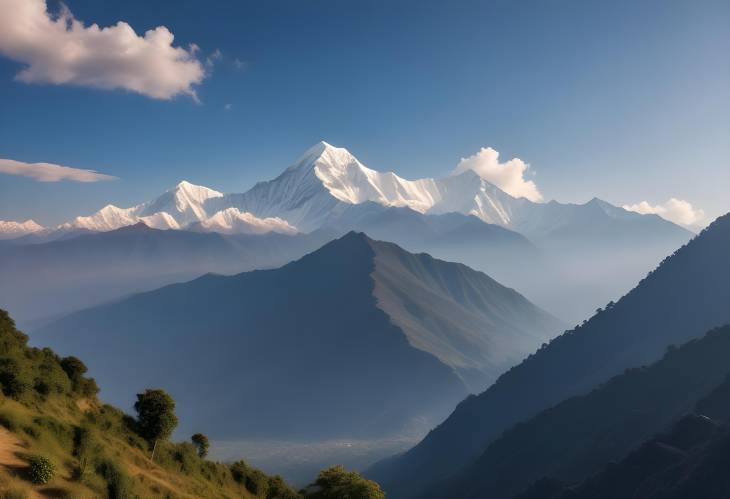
323 184
315 152
185 203
10 229
109 217
174 209
197 193
352 182
233 221
325 180
344 178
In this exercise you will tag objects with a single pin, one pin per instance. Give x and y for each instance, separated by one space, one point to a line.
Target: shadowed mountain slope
687 295
269 353
464 318
576 438
689 461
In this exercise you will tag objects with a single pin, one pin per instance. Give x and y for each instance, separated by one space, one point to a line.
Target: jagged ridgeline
58 440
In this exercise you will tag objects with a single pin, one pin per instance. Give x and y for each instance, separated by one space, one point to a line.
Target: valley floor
298 461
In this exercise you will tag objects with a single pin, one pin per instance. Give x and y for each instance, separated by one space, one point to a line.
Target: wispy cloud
61 50
48 172
216 56
508 176
675 210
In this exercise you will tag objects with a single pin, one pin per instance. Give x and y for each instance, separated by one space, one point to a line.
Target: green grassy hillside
50 418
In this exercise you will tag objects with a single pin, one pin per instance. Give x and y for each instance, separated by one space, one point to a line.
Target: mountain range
680 300
567 258
46 280
393 337
12 230
393 340
327 180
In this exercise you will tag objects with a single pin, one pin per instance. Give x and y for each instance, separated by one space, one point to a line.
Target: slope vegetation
49 410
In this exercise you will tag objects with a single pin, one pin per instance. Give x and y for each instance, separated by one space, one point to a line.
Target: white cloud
509 176
213 58
48 172
228 107
61 50
675 210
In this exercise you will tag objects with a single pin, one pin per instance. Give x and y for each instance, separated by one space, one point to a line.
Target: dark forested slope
577 437
687 462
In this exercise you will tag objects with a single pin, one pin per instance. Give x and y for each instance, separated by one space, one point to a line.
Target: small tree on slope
201 443
155 416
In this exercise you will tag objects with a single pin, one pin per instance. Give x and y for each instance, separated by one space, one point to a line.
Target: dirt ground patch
10 446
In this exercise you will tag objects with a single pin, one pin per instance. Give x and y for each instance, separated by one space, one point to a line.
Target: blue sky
625 100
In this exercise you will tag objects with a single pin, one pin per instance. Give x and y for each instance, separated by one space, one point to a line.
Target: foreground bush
41 470
338 483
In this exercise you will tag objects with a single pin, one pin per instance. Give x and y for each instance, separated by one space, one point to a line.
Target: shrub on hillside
202 443
41 470
261 485
75 370
257 483
117 482
10 378
238 471
278 489
337 483
73 367
25 371
49 375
